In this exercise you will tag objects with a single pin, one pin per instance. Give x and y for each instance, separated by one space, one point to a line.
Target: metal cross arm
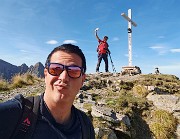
127 18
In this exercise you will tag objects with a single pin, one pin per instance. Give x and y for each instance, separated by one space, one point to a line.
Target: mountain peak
8 70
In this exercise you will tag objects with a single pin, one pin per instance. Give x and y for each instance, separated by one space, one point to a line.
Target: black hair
106 37
68 48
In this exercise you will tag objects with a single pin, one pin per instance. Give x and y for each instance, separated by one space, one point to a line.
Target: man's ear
83 78
45 72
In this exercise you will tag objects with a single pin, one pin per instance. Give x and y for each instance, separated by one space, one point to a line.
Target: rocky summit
125 107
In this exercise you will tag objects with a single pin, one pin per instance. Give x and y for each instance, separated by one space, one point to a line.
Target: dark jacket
79 127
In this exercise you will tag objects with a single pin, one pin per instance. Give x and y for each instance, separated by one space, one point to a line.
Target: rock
109 115
170 103
102 133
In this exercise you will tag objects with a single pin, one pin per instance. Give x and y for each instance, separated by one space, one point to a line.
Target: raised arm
97 34
97 37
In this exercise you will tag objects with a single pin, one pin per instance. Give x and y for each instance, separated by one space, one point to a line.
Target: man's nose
64 76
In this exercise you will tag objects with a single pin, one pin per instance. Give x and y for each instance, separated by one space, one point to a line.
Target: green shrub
127 102
126 85
111 102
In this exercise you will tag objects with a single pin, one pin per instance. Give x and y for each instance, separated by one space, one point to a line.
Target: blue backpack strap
28 119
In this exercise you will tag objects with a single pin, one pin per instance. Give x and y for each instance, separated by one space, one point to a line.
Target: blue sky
30 29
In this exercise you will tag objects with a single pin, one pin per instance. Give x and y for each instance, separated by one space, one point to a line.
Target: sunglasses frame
65 68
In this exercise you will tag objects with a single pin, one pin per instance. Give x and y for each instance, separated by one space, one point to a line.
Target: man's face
63 88
105 38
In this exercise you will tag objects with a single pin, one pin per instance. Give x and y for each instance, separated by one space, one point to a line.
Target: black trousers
105 58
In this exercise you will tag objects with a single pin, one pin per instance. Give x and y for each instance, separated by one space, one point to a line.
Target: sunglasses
55 69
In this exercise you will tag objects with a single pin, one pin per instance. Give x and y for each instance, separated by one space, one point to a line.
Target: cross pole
130 23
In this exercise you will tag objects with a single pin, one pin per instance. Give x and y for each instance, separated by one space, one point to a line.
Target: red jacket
102 47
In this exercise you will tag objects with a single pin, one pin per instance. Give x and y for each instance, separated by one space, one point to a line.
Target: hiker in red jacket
103 51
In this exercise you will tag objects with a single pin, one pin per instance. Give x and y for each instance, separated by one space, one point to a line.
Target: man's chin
61 92
59 96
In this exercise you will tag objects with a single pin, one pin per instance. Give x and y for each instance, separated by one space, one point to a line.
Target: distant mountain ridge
8 70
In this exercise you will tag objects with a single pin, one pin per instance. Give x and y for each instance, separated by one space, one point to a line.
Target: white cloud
69 41
175 50
170 69
161 49
115 39
52 42
156 47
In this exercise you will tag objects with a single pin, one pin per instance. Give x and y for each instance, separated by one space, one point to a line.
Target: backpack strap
28 119
87 127
101 49
35 115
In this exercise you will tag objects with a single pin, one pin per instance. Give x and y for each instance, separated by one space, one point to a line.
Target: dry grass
3 85
87 106
163 125
140 91
18 81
